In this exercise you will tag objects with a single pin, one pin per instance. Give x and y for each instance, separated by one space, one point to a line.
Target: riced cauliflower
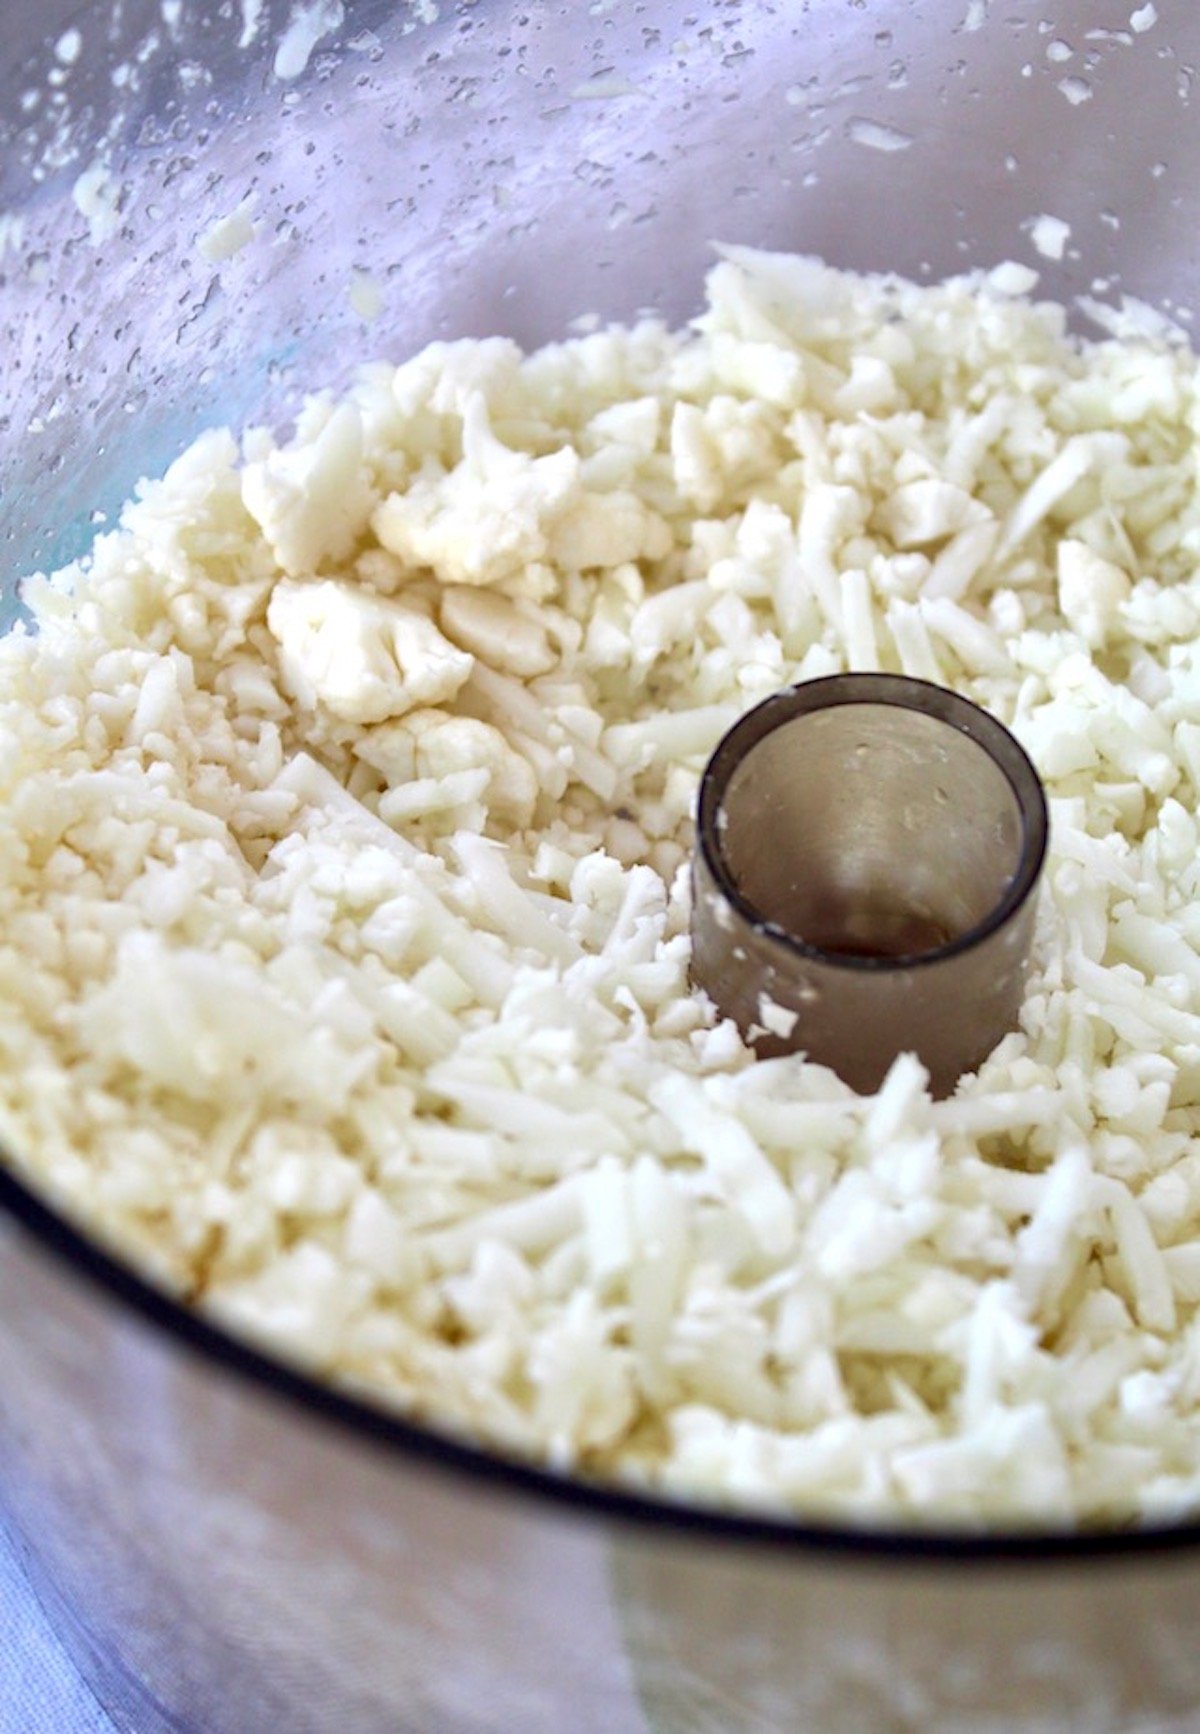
346 794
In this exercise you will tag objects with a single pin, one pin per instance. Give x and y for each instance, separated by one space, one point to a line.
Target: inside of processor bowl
428 435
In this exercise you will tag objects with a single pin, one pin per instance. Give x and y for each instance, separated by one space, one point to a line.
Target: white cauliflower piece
363 657
633 426
487 519
443 377
927 510
714 445
1084 454
313 500
429 747
496 630
765 296
695 458
1090 592
445 745
604 530
765 371
500 512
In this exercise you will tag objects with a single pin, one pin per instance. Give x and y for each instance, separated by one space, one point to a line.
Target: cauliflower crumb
226 237
1050 236
97 197
312 500
366 295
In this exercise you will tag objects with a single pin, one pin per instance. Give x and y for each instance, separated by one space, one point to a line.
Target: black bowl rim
389 1431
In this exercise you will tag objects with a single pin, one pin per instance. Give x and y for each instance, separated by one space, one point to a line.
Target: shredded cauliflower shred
346 793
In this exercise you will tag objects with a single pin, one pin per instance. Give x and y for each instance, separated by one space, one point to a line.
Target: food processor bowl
226 1546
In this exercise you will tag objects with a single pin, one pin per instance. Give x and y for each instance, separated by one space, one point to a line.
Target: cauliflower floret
313 501
500 513
608 530
427 395
489 517
443 377
363 657
429 746
447 744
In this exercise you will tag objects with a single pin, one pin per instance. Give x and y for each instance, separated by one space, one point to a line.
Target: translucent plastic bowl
226 1547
